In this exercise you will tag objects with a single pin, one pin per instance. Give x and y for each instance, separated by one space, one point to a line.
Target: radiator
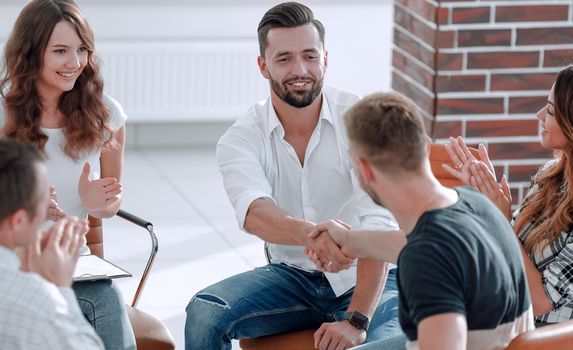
183 80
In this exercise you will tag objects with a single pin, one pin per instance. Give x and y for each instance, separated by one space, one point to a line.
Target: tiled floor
181 192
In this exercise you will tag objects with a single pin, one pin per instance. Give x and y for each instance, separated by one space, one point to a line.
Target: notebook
92 267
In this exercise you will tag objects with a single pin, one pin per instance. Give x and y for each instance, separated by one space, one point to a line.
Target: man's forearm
370 280
378 245
271 224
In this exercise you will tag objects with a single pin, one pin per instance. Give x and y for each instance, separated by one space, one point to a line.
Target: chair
303 340
558 336
150 333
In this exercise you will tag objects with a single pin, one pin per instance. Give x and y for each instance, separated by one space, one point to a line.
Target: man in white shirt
285 167
38 309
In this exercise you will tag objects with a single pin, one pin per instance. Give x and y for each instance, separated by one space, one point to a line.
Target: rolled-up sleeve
371 215
558 277
239 156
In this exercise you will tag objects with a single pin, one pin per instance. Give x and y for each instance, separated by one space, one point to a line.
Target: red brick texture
482 69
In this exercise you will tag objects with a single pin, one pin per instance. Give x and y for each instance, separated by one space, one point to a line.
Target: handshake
328 246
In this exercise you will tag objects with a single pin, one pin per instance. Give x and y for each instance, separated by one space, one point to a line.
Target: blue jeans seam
92 317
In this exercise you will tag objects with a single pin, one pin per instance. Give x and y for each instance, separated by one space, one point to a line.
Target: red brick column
482 69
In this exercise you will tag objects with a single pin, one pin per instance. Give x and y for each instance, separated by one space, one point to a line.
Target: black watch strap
357 319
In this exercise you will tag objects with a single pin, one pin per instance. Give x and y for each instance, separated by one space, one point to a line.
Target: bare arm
443 331
539 299
370 280
271 224
385 246
378 245
103 197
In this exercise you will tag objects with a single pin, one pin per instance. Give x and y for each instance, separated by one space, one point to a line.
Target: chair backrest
558 336
439 156
94 236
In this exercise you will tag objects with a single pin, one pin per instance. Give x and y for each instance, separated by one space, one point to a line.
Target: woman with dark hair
544 222
53 99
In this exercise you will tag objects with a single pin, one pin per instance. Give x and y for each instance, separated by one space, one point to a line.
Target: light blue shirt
36 314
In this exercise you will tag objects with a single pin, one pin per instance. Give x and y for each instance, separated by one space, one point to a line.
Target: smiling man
285 167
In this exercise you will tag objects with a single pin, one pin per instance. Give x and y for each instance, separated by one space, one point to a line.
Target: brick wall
482 69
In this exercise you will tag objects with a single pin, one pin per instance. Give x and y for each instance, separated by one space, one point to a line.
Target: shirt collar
8 259
275 123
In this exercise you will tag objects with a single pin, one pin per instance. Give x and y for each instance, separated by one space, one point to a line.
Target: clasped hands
327 246
478 173
54 252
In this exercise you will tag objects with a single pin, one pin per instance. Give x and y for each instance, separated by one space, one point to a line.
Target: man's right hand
326 247
55 253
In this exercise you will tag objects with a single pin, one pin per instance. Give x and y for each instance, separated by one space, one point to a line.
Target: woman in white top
53 98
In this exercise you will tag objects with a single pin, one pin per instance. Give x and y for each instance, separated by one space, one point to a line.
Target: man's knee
209 309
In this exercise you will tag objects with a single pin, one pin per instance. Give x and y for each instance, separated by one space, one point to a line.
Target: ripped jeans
275 299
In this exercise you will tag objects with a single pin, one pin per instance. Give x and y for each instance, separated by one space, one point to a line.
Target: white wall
358 38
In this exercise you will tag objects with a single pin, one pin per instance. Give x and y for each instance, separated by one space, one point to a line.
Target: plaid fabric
35 314
555 262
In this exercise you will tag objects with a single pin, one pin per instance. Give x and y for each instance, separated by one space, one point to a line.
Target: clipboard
92 268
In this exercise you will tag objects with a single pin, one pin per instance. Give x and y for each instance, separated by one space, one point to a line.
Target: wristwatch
357 319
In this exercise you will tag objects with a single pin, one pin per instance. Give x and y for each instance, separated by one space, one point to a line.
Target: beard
371 193
297 99
375 198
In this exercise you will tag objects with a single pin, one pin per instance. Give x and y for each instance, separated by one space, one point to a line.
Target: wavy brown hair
550 208
86 118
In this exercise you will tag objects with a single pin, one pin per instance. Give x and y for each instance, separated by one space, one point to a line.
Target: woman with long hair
52 96
544 222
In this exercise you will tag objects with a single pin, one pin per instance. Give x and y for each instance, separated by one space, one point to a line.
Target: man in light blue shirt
38 309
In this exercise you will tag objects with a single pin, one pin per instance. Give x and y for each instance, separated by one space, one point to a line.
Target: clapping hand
478 173
54 254
463 158
483 180
334 231
54 211
98 194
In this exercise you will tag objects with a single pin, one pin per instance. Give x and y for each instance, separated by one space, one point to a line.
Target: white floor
181 192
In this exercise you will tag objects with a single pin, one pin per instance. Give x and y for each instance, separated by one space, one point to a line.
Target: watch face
357 319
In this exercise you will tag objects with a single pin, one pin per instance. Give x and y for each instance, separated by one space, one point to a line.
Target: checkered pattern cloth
555 262
35 314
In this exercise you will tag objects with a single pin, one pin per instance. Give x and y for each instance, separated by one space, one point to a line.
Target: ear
366 172
428 144
325 59
263 67
17 220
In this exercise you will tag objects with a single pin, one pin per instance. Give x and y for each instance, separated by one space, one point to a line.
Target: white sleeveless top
64 172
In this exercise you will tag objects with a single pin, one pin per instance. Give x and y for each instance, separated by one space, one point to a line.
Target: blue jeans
275 299
102 305
395 343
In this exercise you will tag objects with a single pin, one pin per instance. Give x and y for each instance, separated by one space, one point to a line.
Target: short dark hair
286 15
18 177
388 131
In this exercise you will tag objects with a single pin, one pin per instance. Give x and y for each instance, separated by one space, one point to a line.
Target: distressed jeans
275 299
103 307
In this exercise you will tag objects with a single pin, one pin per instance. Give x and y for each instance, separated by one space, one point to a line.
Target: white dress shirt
35 314
256 162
